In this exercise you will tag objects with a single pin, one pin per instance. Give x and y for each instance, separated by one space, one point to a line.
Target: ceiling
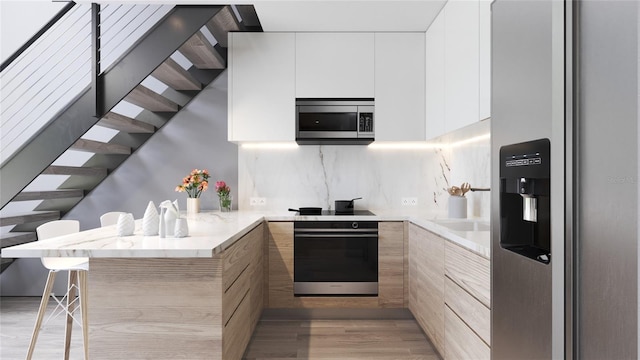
328 15
347 16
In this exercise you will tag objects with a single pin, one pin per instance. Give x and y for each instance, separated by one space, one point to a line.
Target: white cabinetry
435 78
458 88
261 87
485 59
334 65
461 54
400 86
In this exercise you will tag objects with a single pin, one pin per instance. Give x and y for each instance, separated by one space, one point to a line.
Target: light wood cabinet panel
426 283
280 265
400 94
236 334
469 309
470 271
235 293
235 260
334 65
261 94
461 342
391 264
257 276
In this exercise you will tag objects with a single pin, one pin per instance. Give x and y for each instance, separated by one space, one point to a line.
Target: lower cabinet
449 295
242 300
390 269
426 283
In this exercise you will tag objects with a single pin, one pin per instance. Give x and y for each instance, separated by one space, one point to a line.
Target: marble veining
318 175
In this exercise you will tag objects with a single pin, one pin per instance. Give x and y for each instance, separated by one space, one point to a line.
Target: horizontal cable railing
56 68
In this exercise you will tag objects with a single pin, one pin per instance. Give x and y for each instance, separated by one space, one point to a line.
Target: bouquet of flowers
224 191
194 183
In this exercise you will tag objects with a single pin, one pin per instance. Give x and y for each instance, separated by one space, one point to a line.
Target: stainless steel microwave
335 121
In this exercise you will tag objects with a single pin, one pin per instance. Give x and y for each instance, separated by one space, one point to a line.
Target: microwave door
328 121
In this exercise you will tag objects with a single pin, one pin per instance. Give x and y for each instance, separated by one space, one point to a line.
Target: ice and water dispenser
525 201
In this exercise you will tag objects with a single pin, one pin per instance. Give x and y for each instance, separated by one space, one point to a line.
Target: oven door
335 258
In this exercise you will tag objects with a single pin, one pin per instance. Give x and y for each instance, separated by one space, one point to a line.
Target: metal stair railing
56 68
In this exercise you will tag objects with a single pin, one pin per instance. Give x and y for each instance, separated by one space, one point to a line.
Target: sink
463 224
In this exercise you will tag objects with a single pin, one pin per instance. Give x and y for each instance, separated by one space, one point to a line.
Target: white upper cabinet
334 65
458 67
400 86
435 78
485 59
261 87
461 54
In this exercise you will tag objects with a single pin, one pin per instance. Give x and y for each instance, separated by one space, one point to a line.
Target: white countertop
211 232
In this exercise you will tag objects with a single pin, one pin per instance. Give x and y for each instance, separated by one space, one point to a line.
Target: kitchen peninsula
200 296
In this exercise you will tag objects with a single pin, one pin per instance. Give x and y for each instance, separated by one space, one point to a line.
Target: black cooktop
353 213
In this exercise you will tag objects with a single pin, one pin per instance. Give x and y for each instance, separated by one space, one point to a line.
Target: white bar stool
110 218
77 268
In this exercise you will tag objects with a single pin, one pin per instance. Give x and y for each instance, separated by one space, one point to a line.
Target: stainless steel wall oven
335 258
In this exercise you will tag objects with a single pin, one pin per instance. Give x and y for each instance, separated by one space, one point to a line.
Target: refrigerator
564 202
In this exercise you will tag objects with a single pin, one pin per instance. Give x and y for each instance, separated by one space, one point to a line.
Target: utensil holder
457 207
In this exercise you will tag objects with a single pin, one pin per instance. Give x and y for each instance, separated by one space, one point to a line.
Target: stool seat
76 286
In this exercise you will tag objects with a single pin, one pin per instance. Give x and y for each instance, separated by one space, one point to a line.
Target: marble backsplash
319 175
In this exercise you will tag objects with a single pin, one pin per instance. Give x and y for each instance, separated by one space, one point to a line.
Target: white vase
181 228
150 220
126 225
193 206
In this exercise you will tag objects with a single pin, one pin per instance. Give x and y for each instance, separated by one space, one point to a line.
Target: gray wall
195 138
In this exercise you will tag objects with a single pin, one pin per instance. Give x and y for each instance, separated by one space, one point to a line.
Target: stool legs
43 307
71 305
82 276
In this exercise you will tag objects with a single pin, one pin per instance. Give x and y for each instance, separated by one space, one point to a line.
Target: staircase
153 59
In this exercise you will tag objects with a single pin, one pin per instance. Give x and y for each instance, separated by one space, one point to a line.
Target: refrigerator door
521 297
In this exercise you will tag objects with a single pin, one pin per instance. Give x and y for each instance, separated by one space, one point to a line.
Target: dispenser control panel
523 160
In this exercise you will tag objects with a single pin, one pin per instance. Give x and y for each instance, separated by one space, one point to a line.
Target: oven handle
309 236
316 230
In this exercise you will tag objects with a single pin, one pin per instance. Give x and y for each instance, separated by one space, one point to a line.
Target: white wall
319 175
20 20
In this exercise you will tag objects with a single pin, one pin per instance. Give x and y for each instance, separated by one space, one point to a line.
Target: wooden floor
339 339
273 339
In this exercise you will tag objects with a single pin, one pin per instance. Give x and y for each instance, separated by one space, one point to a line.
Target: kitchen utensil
455 191
465 187
308 210
345 206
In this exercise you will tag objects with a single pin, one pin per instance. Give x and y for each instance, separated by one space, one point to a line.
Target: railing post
96 79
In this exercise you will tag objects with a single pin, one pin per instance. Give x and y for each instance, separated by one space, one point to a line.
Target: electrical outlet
409 201
257 201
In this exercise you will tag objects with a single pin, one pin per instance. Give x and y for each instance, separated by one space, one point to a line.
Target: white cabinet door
485 59
334 65
461 63
435 78
399 85
261 87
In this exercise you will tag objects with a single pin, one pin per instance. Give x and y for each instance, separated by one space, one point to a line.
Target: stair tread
150 100
223 23
50 194
16 218
175 76
100 147
126 124
17 238
75 170
201 53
